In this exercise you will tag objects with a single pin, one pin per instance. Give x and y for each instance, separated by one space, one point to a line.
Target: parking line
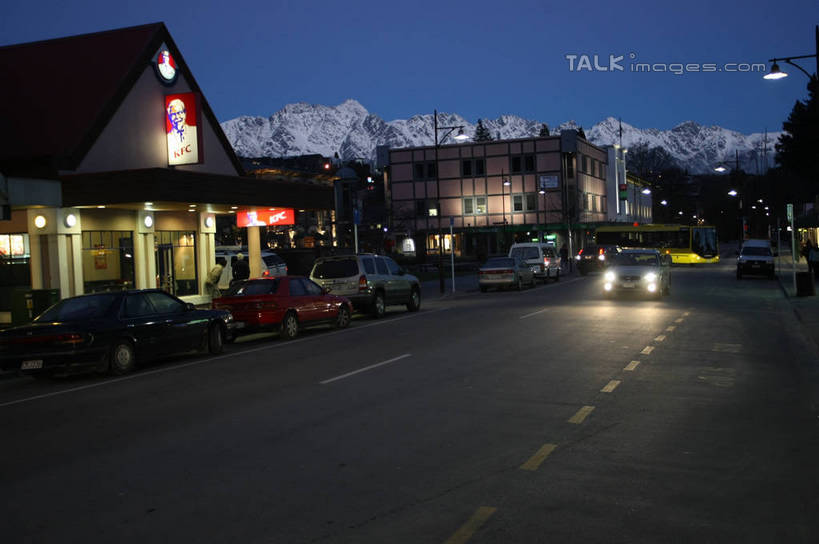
647 350
581 414
670 328
611 386
366 368
469 528
537 459
631 366
660 338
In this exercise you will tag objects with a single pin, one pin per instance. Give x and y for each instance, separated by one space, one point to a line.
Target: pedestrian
241 270
805 249
564 256
813 260
212 282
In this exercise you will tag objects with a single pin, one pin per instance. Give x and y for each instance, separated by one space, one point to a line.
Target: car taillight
545 261
362 284
266 273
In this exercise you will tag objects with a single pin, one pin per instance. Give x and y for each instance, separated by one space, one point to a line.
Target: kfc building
113 168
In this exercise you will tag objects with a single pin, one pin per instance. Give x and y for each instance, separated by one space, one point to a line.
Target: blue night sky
478 59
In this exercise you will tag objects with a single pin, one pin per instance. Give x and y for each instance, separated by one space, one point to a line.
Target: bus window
704 242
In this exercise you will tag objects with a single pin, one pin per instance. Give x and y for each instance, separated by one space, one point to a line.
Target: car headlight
651 276
601 257
610 276
228 318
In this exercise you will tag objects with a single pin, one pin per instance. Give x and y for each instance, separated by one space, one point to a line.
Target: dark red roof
58 95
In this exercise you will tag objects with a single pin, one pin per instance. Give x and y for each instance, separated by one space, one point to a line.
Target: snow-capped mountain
351 131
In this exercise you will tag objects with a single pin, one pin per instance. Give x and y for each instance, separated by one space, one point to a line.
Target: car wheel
378 305
216 339
122 358
343 317
414 303
290 326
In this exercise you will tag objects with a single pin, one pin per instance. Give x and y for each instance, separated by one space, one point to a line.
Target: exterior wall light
70 220
40 221
209 221
148 221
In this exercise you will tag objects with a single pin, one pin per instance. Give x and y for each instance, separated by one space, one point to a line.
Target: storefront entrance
164 268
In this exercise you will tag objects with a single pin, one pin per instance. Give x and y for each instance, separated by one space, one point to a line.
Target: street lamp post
777 73
459 138
505 183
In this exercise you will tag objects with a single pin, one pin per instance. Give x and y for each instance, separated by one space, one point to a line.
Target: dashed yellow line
660 338
581 414
647 350
535 461
670 328
679 320
469 528
611 386
631 366
686 314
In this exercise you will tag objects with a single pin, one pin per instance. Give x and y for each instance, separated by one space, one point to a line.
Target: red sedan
284 303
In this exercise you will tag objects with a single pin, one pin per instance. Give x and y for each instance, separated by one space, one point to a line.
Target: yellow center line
611 386
469 528
670 328
647 350
660 338
581 414
535 461
680 320
632 365
686 314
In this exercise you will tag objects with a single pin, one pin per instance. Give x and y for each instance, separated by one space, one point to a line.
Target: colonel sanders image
183 145
166 66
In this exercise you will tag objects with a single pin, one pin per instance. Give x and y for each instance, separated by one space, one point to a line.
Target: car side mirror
190 307
401 271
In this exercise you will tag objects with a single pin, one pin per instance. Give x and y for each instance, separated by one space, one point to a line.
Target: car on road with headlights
643 271
504 273
755 257
111 331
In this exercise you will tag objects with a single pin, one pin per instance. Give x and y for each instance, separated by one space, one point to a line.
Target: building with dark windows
113 168
495 193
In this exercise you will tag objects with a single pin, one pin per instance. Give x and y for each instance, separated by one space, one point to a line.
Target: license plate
238 324
628 285
32 365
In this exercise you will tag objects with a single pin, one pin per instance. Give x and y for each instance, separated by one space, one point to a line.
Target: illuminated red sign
264 218
182 128
166 66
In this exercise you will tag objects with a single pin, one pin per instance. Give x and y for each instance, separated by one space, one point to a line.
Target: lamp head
775 73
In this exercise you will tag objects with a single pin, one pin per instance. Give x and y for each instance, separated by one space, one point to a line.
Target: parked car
111 331
286 304
371 282
505 272
542 259
756 257
595 258
639 271
273 265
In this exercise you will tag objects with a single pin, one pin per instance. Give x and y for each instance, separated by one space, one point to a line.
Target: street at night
547 415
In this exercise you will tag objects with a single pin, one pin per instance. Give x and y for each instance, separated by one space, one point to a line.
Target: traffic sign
790 213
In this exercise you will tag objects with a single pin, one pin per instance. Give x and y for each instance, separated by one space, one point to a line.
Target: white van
272 264
542 258
756 257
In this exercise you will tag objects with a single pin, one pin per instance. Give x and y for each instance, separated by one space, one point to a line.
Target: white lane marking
547 309
647 350
631 366
210 359
535 313
366 368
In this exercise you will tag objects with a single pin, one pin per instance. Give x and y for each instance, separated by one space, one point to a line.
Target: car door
382 280
323 306
398 285
182 330
142 324
303 302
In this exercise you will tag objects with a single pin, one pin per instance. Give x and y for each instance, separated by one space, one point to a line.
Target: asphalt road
548 415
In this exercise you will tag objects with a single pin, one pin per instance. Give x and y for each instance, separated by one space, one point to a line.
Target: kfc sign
264 218
182 128
166 67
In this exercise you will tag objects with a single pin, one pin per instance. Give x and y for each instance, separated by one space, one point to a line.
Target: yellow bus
687 244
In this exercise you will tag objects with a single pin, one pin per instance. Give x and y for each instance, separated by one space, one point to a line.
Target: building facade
631 200
494 193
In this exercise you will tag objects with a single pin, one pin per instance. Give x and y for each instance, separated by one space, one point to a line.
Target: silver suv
370 282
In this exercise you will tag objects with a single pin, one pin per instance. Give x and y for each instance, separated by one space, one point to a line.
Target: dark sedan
110 332
285 304
595 258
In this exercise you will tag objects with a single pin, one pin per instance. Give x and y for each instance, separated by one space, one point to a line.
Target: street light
460 137
777 73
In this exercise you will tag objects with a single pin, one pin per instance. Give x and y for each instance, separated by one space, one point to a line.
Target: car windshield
81 308
253 287
589 250
272 260
637 259
500 262
756 251
336 268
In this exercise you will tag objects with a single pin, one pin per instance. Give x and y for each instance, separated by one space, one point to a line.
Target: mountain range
351 131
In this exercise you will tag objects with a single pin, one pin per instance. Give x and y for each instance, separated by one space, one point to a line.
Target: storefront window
14 266
176 262
107 260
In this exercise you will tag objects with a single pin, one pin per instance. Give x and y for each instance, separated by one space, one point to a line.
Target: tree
797 147
482 133
544 130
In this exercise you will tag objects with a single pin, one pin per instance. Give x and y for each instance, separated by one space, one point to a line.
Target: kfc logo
181 126
166 66
271 217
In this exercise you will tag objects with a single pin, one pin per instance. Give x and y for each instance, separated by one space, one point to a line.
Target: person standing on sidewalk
564 256
813 259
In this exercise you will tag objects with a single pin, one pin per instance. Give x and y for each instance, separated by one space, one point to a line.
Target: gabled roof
58 95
